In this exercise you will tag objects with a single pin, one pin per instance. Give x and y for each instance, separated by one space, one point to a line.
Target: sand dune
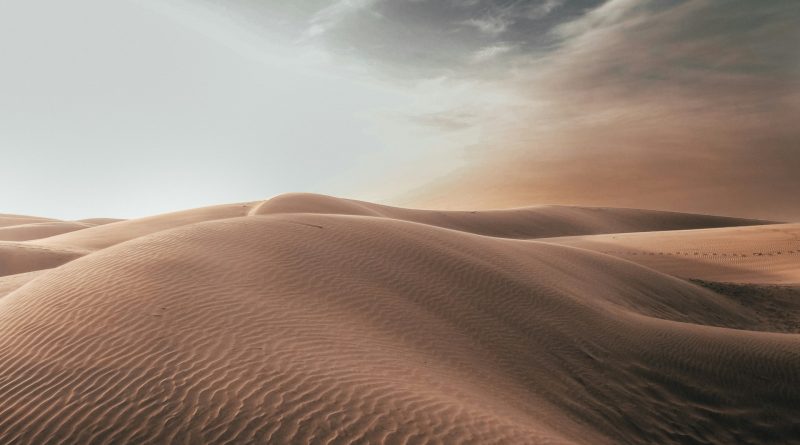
27 228
521 223
308 319
757 254
40 253
107 235
10 283
100 221
32 231
15 220
19 257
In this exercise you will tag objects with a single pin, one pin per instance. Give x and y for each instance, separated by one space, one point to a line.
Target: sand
10 283
32 231
279 322
106 235
15 220
20 257
520 223
757 254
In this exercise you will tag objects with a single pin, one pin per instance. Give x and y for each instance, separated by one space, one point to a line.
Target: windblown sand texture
311 319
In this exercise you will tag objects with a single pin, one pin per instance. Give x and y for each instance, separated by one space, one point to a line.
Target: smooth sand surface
38 230
274 323
15 220
100 221
756 254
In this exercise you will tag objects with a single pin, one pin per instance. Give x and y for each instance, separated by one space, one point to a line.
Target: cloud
446 120
690 98
493 25
417 39
686 105
330 16
612 13
490 52
537 11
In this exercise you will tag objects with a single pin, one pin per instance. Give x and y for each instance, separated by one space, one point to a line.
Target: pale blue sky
127 108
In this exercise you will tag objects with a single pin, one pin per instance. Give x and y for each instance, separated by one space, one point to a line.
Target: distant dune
32 231
520 223
15 220
756 254
312 319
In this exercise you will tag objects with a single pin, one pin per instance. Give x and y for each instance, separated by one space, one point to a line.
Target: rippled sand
310 319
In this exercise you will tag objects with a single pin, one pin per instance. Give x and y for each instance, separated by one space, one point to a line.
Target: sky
126 108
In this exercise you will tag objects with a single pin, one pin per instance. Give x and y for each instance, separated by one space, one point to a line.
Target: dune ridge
522 223
273 323
518 223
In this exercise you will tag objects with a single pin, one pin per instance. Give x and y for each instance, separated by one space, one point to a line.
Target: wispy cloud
537 11
330 16
493 25
490 52
447 121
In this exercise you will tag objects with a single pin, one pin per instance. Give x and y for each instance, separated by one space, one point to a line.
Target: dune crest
523 223
16 220
519 223
106 235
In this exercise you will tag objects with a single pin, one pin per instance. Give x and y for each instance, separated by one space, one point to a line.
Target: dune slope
10 283
337 329
32 231
756 254
20 257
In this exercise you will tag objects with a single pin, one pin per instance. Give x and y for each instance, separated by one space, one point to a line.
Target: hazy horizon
133 108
